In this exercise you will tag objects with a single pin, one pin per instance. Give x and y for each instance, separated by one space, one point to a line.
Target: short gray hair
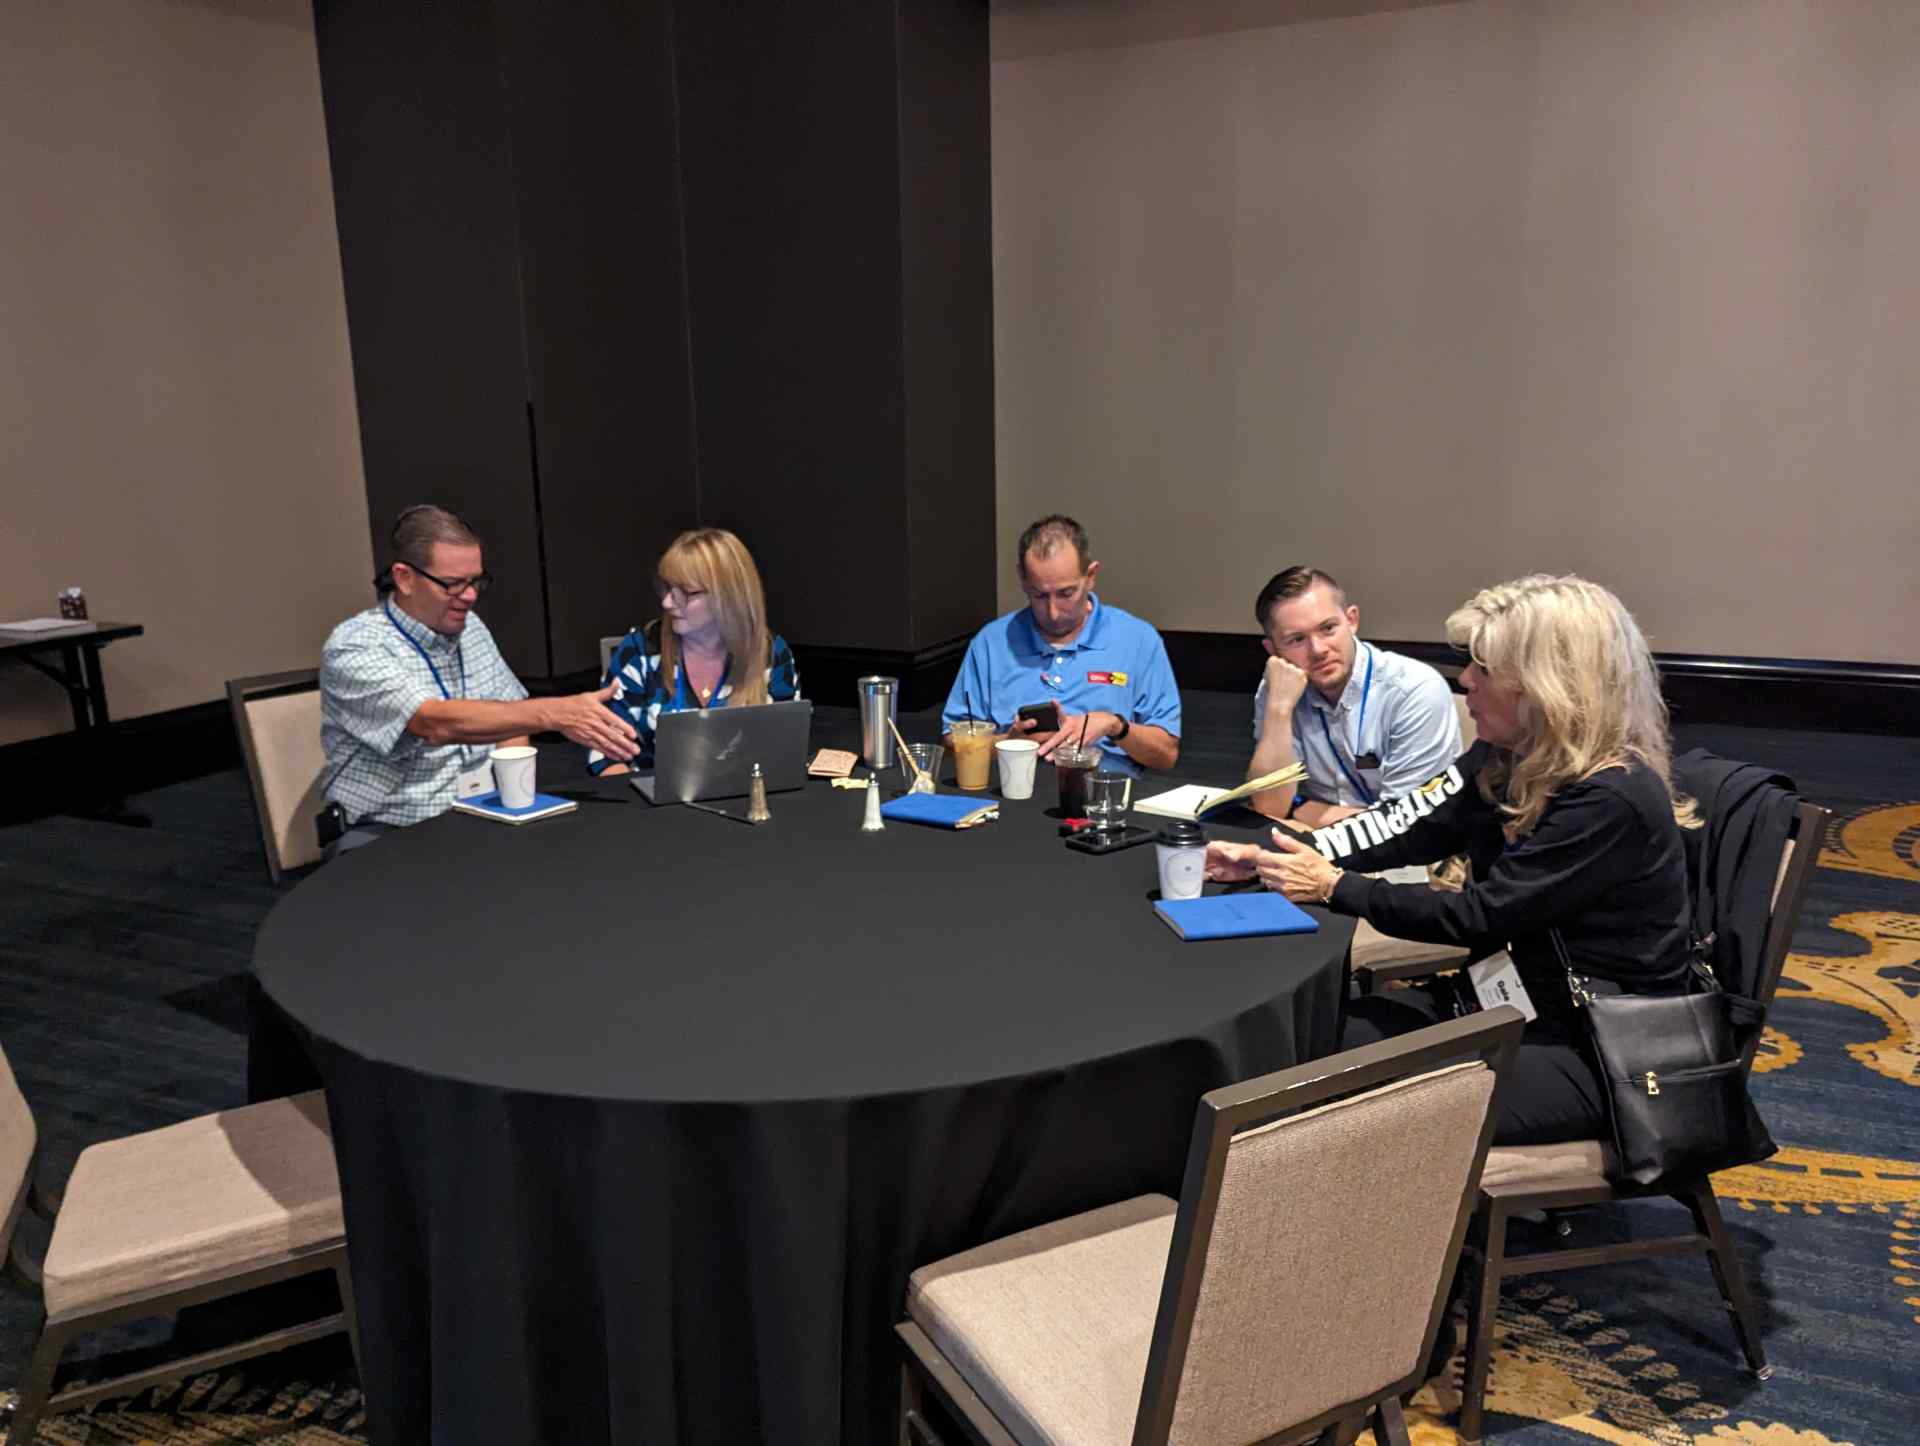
415 532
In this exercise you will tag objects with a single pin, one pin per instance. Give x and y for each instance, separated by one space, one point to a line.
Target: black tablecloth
644 1115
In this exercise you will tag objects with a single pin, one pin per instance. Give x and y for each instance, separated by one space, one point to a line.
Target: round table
644 1116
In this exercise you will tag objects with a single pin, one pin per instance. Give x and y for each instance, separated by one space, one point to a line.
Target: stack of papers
49 625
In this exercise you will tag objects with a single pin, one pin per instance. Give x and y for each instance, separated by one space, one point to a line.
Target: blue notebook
1235 916
942 810
488 805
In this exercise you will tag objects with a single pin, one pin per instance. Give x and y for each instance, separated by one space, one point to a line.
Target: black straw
1083 730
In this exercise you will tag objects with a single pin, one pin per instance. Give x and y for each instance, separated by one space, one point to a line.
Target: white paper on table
49 625
1406 874
1182 802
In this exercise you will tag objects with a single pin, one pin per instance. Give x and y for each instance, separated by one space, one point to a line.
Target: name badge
1496 979
1119 680
475 780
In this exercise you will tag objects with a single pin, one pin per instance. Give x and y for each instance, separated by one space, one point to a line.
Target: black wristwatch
1125 729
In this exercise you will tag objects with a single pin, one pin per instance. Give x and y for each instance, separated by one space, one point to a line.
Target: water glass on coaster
513 775
929 756
1108 797
972 753
1071 768
1180 849
1019 761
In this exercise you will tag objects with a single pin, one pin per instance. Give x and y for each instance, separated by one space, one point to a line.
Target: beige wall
1436 293
177 427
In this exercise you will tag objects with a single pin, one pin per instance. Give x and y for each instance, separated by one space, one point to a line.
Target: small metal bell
870 820
757 797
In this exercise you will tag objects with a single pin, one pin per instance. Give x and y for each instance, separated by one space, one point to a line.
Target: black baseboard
79 772
1701 688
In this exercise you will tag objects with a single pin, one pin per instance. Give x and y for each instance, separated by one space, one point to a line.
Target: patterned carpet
1829 1229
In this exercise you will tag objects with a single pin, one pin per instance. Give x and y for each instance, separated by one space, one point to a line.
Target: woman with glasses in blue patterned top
710 648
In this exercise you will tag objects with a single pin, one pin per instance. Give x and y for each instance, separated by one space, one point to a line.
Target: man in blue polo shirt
1105 670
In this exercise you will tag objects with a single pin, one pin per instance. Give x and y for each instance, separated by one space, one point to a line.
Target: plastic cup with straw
972 749
922 782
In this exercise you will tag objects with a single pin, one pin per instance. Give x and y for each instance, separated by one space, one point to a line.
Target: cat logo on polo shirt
1119 680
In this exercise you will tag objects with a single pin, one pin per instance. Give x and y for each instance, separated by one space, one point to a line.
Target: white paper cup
1019 757
1183 869
513 770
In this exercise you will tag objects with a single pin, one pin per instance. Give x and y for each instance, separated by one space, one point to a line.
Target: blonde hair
1590 694
713 560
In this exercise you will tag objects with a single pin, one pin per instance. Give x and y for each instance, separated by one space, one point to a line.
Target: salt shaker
757 797
870 820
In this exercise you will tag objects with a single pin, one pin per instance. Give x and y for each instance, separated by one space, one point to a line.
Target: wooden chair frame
1500 1203
35 1398
1492 1037
240 692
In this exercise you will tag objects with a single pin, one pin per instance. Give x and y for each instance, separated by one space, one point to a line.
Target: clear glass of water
1109 795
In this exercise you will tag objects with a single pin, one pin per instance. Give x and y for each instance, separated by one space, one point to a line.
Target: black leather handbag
1672 1067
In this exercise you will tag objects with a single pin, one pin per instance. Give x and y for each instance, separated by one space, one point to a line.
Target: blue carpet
121 954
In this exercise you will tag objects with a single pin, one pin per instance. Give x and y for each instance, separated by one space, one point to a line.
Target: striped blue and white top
642 693
376 669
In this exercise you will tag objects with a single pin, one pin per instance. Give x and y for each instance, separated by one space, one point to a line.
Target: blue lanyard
1359 733
459 654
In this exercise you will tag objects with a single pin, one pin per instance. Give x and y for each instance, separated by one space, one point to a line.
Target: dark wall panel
595 175
617 267
416 125
790 174
946 228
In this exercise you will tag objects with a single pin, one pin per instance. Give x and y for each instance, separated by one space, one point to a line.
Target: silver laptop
704 753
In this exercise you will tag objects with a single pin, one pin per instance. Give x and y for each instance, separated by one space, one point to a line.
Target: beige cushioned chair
155 1222
1295 1288
1532 1178
277 718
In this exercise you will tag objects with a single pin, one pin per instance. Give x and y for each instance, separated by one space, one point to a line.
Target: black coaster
1089 842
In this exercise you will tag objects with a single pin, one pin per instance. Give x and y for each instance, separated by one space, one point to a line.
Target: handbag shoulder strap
1576 983
1580 987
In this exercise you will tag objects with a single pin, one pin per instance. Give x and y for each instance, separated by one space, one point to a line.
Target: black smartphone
1045 717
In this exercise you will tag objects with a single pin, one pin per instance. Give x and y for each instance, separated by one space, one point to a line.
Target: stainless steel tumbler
879 709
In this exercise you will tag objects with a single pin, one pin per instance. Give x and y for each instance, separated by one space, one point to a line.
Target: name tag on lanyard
475 780
1496 980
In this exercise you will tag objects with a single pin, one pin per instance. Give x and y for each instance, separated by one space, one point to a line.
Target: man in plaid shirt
414 693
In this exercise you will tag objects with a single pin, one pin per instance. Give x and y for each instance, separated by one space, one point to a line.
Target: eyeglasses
661 587
454 586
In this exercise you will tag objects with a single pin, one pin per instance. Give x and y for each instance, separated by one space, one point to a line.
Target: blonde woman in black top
1567 810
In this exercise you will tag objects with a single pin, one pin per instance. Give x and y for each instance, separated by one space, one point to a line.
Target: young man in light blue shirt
1104 669
1368 724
